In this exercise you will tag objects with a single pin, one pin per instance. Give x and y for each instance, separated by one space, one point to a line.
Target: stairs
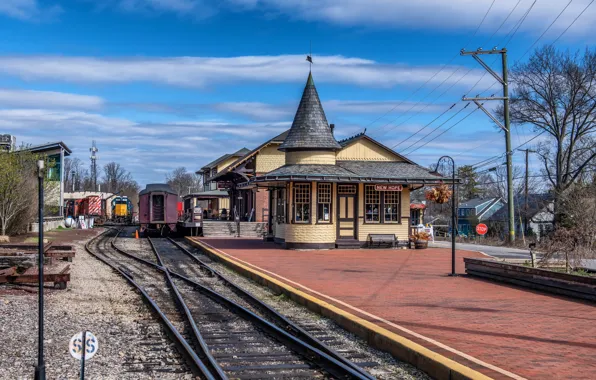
228 229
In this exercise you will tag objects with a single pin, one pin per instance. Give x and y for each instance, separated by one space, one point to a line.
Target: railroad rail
182 259
240 337
196 364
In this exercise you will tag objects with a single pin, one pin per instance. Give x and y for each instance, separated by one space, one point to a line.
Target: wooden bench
377 240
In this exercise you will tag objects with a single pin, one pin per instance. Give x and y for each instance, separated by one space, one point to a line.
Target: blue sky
167 83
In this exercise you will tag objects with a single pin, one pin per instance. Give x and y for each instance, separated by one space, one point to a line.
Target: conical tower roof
310 130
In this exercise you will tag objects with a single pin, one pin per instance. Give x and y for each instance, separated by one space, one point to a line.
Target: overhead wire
438 72
518 23
445 131
536 41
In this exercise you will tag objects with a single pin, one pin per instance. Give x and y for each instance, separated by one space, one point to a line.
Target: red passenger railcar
158 209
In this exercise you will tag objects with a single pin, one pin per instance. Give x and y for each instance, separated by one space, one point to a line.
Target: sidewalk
502 331
498 252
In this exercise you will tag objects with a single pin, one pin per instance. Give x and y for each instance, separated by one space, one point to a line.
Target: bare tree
182 181
494 183
555 92
74 174
116 178
18 189
575 239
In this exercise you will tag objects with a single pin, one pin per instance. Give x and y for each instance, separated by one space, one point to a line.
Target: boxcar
158 209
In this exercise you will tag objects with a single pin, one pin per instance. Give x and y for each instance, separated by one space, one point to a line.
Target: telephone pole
506 127
528 151
94 158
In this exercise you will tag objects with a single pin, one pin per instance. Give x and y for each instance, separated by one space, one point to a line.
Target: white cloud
434 14
195 8
27 9
138 146
200 71
255 110
47 99
380 107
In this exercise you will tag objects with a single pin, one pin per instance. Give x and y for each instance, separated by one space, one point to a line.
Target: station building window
375 201
372 204
391 206
324 203
302 202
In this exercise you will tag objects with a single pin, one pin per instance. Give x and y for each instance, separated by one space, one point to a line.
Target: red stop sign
481 229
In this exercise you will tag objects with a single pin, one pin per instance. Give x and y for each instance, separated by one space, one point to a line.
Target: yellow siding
309 157
224 203
364 150
310 233
225 163
269 158
401 230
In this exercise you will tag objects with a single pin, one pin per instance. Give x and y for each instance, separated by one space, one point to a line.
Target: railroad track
231 333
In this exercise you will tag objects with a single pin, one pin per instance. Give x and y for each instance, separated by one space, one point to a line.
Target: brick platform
500 330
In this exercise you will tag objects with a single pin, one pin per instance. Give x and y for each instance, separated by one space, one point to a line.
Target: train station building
314 191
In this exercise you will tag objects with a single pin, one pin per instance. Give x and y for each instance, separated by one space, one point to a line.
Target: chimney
332 126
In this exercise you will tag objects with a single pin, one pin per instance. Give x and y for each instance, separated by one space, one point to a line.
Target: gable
269 158
225 163
366 150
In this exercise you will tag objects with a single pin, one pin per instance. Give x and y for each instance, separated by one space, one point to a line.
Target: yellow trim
436 365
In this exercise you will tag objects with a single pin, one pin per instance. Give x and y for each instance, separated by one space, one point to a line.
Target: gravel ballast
132 344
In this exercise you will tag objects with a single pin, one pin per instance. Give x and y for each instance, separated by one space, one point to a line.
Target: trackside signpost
481 229
83 346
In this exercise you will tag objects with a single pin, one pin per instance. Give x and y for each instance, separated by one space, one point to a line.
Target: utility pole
506 127
94 158
528 151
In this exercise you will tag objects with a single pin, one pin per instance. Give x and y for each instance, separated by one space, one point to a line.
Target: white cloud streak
433 14
200 71
47 99
27 10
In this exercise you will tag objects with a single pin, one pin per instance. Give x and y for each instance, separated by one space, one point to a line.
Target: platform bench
378 240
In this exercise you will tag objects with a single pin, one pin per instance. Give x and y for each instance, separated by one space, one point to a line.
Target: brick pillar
262 205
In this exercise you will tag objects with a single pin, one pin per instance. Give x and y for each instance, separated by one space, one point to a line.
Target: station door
346 212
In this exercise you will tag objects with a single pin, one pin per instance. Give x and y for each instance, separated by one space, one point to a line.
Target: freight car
158 209
121 210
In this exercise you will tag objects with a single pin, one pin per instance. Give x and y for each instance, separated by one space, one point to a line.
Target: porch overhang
279 181
207 195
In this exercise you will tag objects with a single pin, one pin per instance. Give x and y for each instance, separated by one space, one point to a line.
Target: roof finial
309 57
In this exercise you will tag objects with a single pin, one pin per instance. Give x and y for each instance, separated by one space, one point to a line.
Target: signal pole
506 127
94 158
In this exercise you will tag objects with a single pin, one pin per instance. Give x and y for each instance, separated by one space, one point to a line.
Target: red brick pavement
530 334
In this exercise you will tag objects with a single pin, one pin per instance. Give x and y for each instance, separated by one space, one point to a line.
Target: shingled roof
354 171
310 129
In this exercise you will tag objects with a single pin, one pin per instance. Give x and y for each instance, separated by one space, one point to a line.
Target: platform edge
435 365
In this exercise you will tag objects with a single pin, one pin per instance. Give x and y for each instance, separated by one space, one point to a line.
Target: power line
424 127
439 126
504 21
546 30
437 73
445 131
573 22
518 23
531 176
496 158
